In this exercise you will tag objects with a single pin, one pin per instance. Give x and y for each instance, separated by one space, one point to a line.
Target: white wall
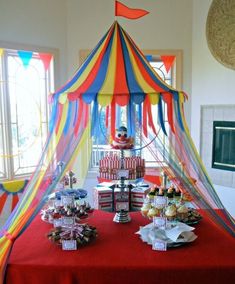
168 26
212 83
33 22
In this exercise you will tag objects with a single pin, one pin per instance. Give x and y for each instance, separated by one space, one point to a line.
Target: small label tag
159 245
122 206
160 222
69 245
160 201
123 173
67 200
57 222
68 221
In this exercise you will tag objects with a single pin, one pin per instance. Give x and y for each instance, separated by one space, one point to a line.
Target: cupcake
182 212
145 209
153 212
161 192
170 192
152 192
170 212
177 192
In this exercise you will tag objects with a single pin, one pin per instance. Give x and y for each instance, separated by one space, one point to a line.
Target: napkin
179 233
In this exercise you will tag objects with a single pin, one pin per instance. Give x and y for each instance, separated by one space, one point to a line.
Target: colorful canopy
117 73
115 70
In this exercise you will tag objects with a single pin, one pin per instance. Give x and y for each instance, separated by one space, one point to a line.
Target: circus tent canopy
115 69
117 73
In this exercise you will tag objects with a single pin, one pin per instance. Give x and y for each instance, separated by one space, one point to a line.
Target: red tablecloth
119 256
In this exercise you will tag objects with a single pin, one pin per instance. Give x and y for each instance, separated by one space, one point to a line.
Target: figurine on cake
121 141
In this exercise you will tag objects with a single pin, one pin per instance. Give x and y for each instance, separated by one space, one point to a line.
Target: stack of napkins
177 234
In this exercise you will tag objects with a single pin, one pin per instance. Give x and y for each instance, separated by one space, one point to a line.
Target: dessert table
119 256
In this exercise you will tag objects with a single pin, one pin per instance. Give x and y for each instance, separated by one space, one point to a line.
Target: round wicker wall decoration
220 31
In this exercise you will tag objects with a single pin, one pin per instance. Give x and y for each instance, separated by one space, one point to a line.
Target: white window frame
12 48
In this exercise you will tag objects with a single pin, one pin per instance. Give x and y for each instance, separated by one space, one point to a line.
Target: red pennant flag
122 10
168 60
46 59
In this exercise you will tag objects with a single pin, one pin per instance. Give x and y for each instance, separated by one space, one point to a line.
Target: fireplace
223 149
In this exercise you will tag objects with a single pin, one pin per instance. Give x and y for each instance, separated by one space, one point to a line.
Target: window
172 78
26 79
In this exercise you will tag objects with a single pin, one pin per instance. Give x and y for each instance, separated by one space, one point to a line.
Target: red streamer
86 115
3 199
150 117
15 200
80 111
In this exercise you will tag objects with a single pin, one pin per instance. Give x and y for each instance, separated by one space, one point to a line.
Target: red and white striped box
105 206
103 198
136 206
138 195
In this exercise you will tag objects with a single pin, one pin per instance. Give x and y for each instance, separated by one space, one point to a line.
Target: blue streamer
95 118
129 119
68 119
75 113
54 112
178 114
160 116
118 116
139 116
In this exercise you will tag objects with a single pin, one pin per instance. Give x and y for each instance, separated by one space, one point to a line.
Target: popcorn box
106 206
103 194
138 194
136 206
103 198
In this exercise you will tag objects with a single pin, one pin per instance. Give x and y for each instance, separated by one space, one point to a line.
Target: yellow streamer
154 98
